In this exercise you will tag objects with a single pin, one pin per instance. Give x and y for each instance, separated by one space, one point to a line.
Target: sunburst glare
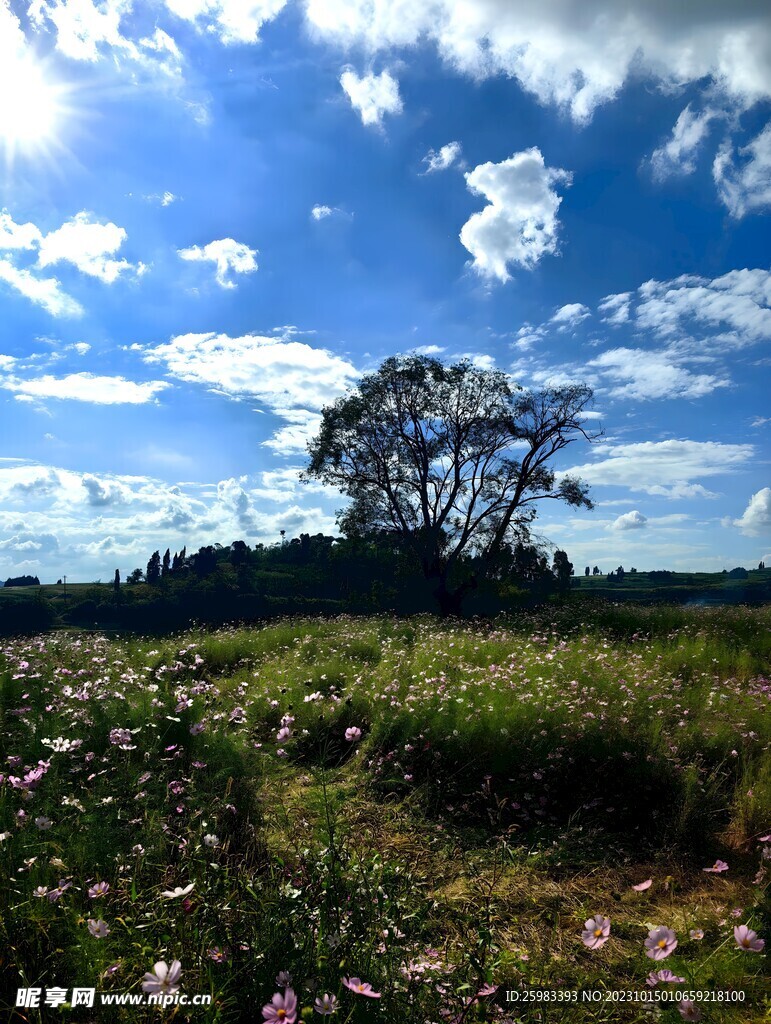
32 107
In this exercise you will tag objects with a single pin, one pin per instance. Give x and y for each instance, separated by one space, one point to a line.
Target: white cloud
82 26
570 316
756 520
519 226
666 468
630 521
575 54
428 350
745 187
444 158
45 292
87 244
319 212
529 335
88 30
760 421
164 198
233 21
738 304
58 513
641 375
228 256
86 387
372 95
17 236
615 308
678 154
293 379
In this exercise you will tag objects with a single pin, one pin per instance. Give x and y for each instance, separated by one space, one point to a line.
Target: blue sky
216 214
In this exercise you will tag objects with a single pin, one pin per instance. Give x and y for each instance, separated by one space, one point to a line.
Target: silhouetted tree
239 553
153 573
116 582
166 564
135 576
562 569
596 571
620 572
433 455
205 560
587 571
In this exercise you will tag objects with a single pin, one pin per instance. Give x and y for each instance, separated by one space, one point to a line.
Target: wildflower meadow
562 815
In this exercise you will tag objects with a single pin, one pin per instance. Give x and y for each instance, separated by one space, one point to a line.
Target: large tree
450 459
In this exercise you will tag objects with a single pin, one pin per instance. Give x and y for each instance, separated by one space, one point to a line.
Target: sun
30 106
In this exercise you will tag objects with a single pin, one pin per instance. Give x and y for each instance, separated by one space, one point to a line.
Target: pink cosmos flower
696 933
362 987
689 1010
665 976
219 956
281 1008
162 978
60 890
487 990
643 885
747 939
98 889
353 733
596 931
717 867
99 929
660 943
325 1005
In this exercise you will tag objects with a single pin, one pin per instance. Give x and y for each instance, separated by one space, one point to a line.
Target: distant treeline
306 575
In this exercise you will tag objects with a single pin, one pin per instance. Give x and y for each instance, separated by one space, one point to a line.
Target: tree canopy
450 459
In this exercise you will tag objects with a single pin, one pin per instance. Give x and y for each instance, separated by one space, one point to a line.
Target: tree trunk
451 601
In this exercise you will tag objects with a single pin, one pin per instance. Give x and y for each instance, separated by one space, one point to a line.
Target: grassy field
436 808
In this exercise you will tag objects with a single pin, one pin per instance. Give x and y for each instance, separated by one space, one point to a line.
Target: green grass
511 780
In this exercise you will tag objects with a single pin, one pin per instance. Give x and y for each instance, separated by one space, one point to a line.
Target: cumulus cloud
87 30
442 159
638 374
630 521
519 226
229 257
570 316
678 154
233 21
745 185
293 379
100 493
756 519
59 512
666 468
83 242
89 246
731 311
319 212
17 236
43 291
575 54
372 95
86 387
